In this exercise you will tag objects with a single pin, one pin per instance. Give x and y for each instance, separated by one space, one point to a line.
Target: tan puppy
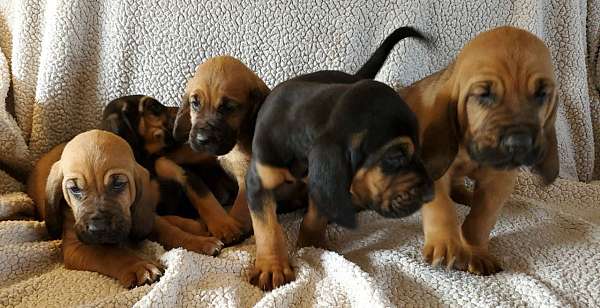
489 112
217 117
93 194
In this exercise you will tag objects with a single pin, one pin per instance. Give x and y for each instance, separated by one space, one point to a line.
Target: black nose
517 143
98 224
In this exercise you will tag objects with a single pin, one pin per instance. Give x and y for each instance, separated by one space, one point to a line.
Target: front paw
205 245
227 229
271 273
481 262
140 273
445 251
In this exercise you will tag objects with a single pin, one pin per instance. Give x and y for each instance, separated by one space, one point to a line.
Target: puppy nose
97 224
517 143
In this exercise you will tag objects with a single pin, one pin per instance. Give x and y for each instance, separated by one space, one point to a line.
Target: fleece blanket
62 61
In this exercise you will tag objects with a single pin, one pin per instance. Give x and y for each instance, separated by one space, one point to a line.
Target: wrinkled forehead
216 79
97 154
506 50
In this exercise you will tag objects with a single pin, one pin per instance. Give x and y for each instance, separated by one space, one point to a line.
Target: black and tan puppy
185 176
489 112
92 194
352 139
217 117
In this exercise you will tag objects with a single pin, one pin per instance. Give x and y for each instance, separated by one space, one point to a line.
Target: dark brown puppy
489 112
185 176
217 117
355 142
92 193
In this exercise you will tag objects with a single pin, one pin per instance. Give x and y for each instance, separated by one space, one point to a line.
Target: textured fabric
61 61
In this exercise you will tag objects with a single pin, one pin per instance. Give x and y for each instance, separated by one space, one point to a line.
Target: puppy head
109 194
142 121
393 180
502 92
219 105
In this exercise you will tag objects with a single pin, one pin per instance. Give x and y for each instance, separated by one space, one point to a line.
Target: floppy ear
329 180
122 122
183 121
143 208
258 95
54 201
440 138
548 166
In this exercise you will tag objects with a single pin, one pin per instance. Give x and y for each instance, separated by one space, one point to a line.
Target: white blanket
63 60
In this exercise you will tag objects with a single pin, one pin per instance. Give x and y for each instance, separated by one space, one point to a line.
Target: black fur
310 120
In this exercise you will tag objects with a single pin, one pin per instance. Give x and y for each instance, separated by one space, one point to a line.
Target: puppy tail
370 69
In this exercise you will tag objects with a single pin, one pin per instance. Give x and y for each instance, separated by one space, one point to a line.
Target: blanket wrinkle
62 61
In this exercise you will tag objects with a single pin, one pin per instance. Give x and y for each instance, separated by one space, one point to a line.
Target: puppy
489 112
147 125
92 193
217 117
352 139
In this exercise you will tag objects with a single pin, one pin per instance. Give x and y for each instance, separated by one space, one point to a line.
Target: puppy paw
227 229
482 263
445 251
205 245
270 274
140 273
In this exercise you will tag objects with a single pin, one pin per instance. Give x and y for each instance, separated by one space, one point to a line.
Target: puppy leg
113 261
171 237
312 230
188 225
271 268
492 190
240 211
219 223
440 224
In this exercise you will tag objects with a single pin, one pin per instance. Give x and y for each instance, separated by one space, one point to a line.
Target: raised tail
377 59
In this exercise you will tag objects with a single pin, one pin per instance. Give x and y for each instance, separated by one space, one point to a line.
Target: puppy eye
228 106
484 94
394 161
541 94
118 185
75 191
195 103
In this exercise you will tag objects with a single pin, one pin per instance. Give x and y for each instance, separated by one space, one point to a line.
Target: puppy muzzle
514 149
103 227
214 139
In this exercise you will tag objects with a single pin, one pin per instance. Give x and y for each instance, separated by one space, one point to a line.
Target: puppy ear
258 95
548 166
440 138
122 121
54 201
143 208
183 121
329 180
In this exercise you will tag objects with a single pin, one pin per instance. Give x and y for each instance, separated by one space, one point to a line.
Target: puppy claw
445 252
140 273
271 275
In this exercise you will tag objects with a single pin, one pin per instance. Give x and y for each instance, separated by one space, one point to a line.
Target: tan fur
215 79
91 160
513 63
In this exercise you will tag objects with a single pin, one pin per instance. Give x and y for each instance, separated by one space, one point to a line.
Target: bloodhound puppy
489 112
183 174
93 195
351 138
217 117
